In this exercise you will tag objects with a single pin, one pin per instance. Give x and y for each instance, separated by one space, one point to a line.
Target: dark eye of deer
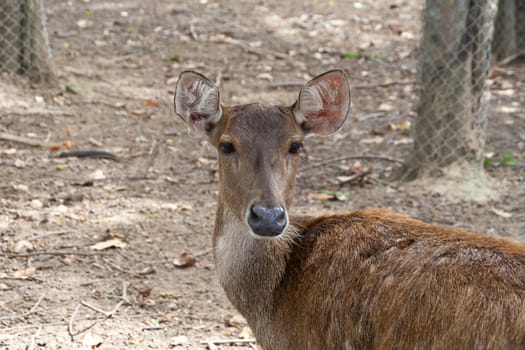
295 147
226 147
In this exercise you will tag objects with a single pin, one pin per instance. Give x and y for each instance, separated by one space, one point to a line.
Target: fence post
455 57
24 44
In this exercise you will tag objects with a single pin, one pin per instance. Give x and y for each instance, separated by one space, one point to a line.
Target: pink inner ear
324 103
197 102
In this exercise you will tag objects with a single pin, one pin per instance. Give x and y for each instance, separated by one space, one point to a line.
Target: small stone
20 164
36 204
21 188
179 340
97 175
23 246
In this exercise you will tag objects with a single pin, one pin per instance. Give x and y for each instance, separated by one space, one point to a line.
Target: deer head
259 145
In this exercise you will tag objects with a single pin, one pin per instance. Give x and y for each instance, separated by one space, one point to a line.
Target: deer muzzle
267 222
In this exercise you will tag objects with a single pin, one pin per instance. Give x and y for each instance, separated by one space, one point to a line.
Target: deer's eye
226 147
295 147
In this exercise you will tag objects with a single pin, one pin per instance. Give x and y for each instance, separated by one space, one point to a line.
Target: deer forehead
260 124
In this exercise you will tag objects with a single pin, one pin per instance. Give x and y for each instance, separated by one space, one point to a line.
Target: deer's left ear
323 103
197 102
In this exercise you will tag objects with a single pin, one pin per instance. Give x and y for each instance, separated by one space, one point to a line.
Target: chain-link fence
509 29
24 43
455 57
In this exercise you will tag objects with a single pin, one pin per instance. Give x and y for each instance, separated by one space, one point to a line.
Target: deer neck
249 269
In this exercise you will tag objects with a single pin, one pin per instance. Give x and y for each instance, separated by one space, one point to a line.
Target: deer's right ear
197 102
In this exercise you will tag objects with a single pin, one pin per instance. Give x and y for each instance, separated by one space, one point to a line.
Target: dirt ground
88 246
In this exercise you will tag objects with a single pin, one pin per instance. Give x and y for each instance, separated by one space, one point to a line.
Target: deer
369 279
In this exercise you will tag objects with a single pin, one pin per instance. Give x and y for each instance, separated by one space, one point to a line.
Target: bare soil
118 62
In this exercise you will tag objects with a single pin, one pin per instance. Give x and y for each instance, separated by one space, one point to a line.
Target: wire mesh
24 43
455 57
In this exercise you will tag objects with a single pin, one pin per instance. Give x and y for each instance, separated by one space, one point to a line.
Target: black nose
267 221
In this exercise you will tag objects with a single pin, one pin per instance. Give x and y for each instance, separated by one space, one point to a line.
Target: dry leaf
110 243
19 164
403 141
264 76
145 292
167 294
91 340
54 148
246 333
179 340
235 321
149 103
24 273
97 175
184 260
370 140
501 213
323 196
23 246
176 206
207 161
403 126
327 195
385 107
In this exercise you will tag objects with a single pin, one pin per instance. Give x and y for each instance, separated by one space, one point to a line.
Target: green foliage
505 159
508 159
174 58
350 54
339 195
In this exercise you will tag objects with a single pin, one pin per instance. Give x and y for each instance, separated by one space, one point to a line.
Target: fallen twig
126 57
70 325
218 81
50 252
95 142
33 338
511 58
259 52
145 271
21 139
229 341
124 300
296 84
108 314
210 345
90 153
153 328
25 313
354 178
193 33
153 151
391 83
36 112
370 157
45 234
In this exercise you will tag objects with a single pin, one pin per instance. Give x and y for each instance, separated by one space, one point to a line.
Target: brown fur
371 279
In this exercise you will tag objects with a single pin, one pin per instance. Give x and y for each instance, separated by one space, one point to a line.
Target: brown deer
371 279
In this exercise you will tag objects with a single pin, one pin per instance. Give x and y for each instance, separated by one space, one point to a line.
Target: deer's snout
267 222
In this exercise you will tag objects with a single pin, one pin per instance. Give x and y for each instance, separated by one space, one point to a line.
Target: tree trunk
23 40
451 112
504 43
